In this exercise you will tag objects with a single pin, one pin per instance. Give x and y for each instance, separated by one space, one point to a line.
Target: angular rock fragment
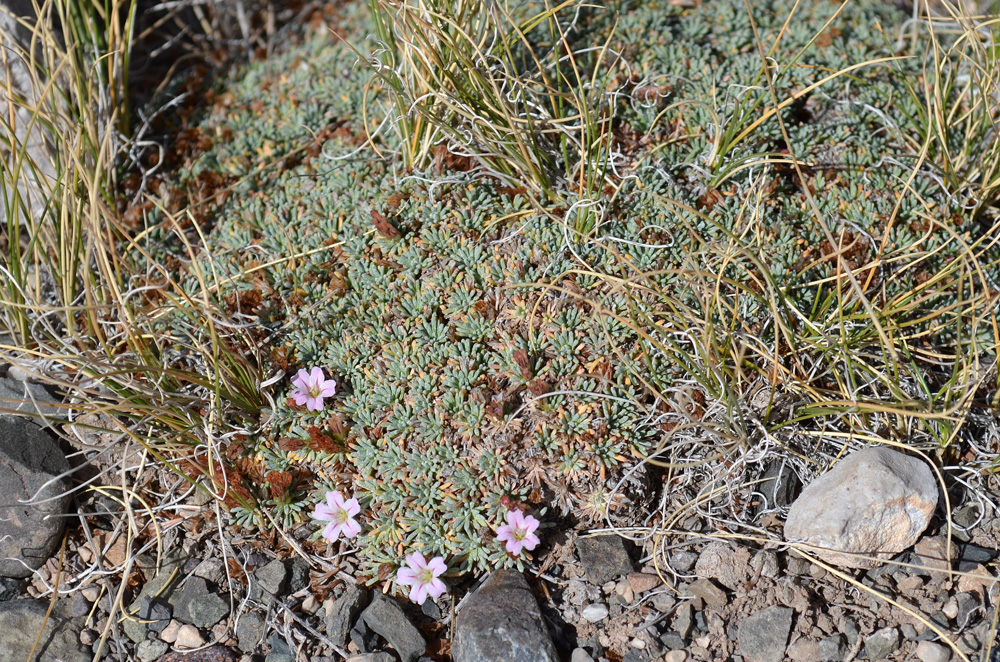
501 622
875 502
388 619
603 558
762 636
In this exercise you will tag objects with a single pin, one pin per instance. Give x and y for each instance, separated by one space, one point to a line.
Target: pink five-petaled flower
518 532
422 577
310 387
340 515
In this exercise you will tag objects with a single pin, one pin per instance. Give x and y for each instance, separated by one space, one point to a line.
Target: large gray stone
879 645
387 618
501 622
20 623
29 532
762 637
875 502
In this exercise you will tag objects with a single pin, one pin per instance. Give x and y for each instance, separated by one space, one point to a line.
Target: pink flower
518 532
340 515
310 387
422 577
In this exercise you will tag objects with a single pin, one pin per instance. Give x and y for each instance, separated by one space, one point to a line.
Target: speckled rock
29 532
501 622
874 502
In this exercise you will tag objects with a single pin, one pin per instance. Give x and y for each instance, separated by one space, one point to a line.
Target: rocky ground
199 591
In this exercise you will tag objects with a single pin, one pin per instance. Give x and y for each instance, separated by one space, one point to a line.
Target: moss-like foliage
481 358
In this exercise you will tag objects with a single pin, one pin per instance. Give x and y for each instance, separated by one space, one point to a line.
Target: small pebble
682 560
594 613
950 608
637 643
310 605
188 636
169 633
928 651
87 637
675 656
90 593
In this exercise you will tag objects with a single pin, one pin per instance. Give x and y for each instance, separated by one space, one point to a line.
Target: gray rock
968 603
683 560
636 655
833 648
974 555
880 644
20 623
280 650
156 611
928 651
762 636
273 577
381 656
344 613
431 610
388 619
150 650
250 631
298 577
29 532
580 655
363 637
594 613
211 570
766 563
197 605
672 641
10 588
604 558
27 399
779 485
874 502
683 620
501 622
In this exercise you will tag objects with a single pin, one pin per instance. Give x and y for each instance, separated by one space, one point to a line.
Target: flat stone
211 570
640 582
273 577
29 532
762 636
880 644
280 650
935 554
804 650
501 622
832 648
344 613
594 613
766 563
150 650
250 631
380 656
975 554
28 399
298 575
672 641
387 618
156 611
967 604
363 637
676 656
197 605
580 655
682 560
683 620
603 558
709 592
874 502
723 563
928 651
20 623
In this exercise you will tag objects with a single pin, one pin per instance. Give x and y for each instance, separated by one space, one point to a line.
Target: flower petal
299 397
335 500
416 561
436 589
530 524
323 512
530 541
301 379
437 566
418 593
314 404
316 376
331 532
352 507
406 576
328 389
351 528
